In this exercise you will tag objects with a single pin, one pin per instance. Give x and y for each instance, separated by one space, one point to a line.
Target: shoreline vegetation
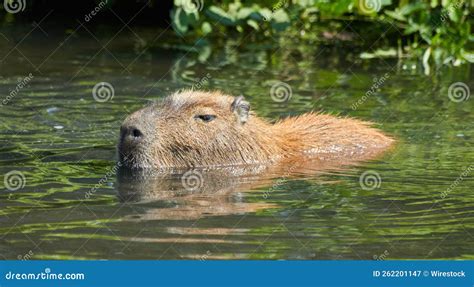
436 32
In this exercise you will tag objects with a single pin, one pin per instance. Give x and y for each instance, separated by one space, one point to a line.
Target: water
60 143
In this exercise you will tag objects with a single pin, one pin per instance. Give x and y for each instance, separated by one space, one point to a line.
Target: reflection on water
62 199
191 195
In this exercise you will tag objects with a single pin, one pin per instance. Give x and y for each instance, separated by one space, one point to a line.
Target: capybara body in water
210 129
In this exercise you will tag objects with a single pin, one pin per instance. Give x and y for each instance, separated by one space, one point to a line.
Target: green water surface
61 144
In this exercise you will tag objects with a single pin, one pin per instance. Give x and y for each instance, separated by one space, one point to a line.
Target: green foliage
444 27
437 30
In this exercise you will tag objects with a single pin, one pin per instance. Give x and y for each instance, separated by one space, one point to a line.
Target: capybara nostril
130 132
136 133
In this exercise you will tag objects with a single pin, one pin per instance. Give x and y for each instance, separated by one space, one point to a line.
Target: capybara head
188 129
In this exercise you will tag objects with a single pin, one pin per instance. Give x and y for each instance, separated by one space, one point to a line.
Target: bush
436 31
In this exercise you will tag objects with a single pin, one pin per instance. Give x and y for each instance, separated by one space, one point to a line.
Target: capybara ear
242 108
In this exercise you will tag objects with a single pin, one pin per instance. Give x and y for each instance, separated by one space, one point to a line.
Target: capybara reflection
210 129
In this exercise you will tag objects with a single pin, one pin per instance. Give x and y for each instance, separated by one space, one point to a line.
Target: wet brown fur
174 138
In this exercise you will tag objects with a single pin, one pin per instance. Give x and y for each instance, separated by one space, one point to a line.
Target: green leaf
338 7
280 16
206 28
280 20
244 13
413 7
379 53
255 15
266 14
220 16
305 3
234 7
453 14
469 56
253 24
396 15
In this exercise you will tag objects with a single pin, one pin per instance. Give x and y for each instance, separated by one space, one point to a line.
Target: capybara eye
205 118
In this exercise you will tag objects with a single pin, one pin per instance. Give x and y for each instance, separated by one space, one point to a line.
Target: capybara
211 129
